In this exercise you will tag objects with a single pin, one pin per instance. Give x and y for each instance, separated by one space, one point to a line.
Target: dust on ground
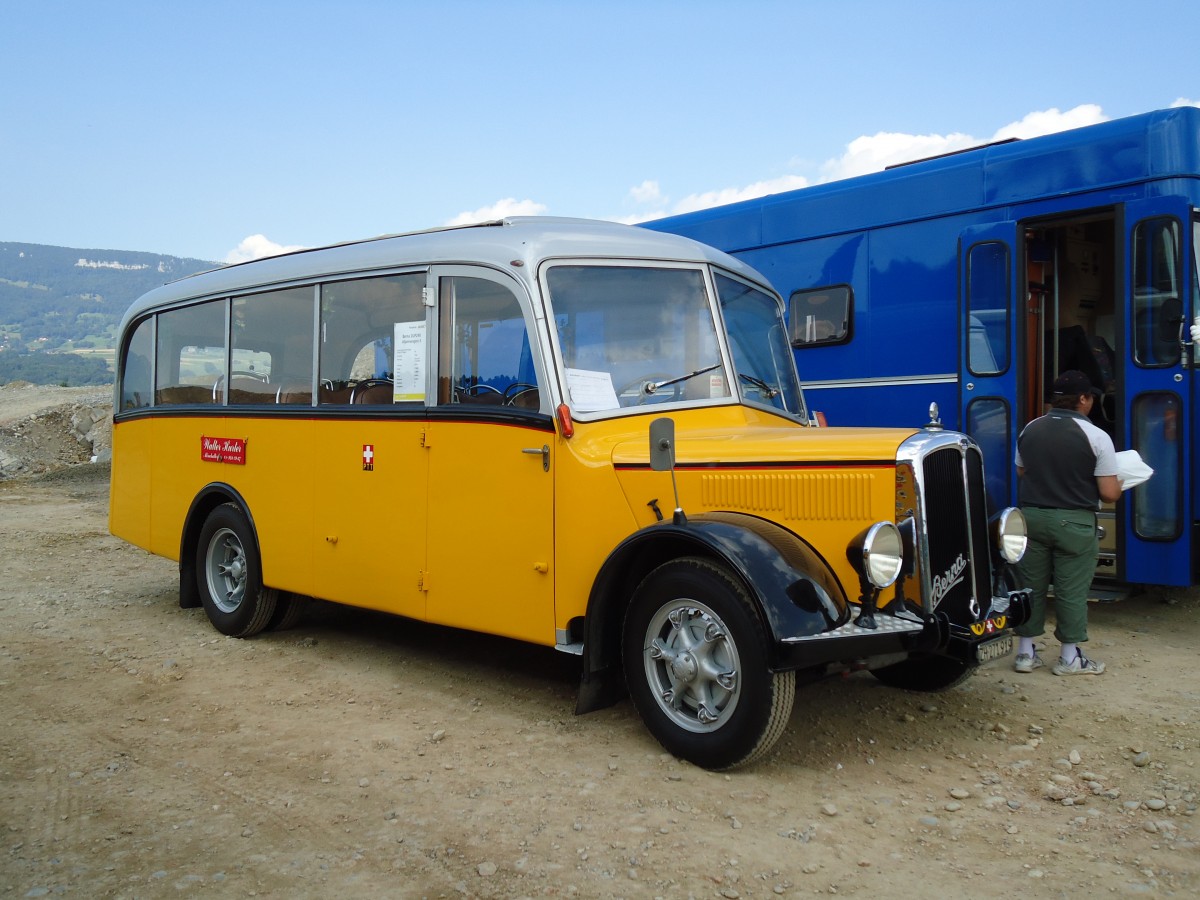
144 755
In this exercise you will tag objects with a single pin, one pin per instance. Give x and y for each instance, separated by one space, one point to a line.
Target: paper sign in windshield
591 390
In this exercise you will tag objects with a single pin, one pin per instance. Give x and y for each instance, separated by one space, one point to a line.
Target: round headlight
878 553
1011 535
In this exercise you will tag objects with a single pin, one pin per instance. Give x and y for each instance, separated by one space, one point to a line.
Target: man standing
1066 466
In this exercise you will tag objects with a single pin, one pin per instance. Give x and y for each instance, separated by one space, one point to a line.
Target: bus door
1158 389
988 371
490 452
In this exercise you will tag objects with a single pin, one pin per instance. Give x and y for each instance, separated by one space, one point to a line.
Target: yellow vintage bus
583 435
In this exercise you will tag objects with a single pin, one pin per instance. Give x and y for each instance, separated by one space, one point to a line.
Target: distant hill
63 300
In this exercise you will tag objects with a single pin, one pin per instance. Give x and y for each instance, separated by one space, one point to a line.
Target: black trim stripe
768 466
527 420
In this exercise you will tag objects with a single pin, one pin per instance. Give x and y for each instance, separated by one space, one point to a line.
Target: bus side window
489 359
136 380
190 354
820 316
360 321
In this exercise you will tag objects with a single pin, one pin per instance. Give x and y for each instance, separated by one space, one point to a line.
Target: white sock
1069 652
1025 646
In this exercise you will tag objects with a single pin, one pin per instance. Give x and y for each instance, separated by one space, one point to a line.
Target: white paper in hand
1132 469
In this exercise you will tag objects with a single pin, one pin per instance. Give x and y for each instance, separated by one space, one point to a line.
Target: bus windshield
759 344
633 336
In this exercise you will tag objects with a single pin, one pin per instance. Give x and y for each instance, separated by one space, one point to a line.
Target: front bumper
905 634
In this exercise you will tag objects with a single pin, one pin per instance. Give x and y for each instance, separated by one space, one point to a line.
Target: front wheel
695 658
229 574
926 673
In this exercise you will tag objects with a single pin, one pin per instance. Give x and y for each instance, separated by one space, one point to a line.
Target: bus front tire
695 659
229 574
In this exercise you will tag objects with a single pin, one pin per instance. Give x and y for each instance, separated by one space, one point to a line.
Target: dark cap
1073 383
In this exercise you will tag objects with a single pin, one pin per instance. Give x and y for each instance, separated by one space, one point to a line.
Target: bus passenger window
488 361
820 316
373 343
271 348
190 356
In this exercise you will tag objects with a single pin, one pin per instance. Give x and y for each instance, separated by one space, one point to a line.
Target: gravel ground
143 755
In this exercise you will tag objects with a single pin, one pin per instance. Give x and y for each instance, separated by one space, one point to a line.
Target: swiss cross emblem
368 457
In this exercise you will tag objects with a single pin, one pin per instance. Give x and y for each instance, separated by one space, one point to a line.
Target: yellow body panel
459 522
491 529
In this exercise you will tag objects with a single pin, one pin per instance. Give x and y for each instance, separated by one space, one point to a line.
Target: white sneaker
1026 663
1080 665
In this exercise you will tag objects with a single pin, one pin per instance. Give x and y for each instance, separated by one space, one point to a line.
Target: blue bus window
820 316
1156 298
1158 504
987 306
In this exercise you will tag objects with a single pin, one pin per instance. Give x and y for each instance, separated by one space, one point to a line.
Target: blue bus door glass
1158 390
987 377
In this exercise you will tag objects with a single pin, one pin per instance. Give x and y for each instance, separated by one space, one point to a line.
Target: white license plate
1001 646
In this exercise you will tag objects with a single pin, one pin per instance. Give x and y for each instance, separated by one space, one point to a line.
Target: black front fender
794 589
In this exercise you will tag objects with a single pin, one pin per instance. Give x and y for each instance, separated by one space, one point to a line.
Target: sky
228 130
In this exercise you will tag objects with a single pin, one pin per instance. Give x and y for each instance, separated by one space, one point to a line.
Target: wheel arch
793 588
206 500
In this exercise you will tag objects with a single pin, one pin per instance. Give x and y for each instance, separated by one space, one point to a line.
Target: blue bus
970 280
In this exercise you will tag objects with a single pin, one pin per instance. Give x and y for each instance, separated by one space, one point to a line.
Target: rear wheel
695 658
289 609
926 673
229 574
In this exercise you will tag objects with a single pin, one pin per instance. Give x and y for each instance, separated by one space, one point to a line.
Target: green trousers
1062 551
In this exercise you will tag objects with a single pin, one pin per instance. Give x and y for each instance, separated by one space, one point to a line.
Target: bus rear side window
820 316
190 356
136 380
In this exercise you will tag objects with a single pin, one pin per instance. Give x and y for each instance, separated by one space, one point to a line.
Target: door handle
544 450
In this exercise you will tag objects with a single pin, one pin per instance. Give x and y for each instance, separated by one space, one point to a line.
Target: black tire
928 674
695 658
229 574
289 609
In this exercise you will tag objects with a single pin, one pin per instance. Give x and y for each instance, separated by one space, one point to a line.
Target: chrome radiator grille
956 564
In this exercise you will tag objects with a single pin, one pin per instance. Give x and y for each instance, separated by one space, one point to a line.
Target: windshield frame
786 358
724 366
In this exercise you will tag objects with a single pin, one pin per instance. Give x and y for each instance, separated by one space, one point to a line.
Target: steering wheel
476 390
517 389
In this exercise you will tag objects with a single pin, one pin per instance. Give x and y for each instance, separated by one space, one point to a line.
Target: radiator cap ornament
935 424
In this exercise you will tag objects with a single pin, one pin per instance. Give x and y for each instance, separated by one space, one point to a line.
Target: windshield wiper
651 386
767 390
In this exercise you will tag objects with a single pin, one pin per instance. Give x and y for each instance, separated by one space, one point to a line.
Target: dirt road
144 755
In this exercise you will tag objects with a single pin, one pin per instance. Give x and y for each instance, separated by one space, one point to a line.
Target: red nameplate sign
223 450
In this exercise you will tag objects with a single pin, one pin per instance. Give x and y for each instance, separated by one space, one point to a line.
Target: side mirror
662 445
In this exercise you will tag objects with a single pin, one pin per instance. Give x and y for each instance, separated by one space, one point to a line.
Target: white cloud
873 153
1050 121
256 246
498 210
866 154
646 192
1183 101
733 194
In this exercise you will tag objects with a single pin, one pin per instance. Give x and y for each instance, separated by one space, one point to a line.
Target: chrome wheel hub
692 665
